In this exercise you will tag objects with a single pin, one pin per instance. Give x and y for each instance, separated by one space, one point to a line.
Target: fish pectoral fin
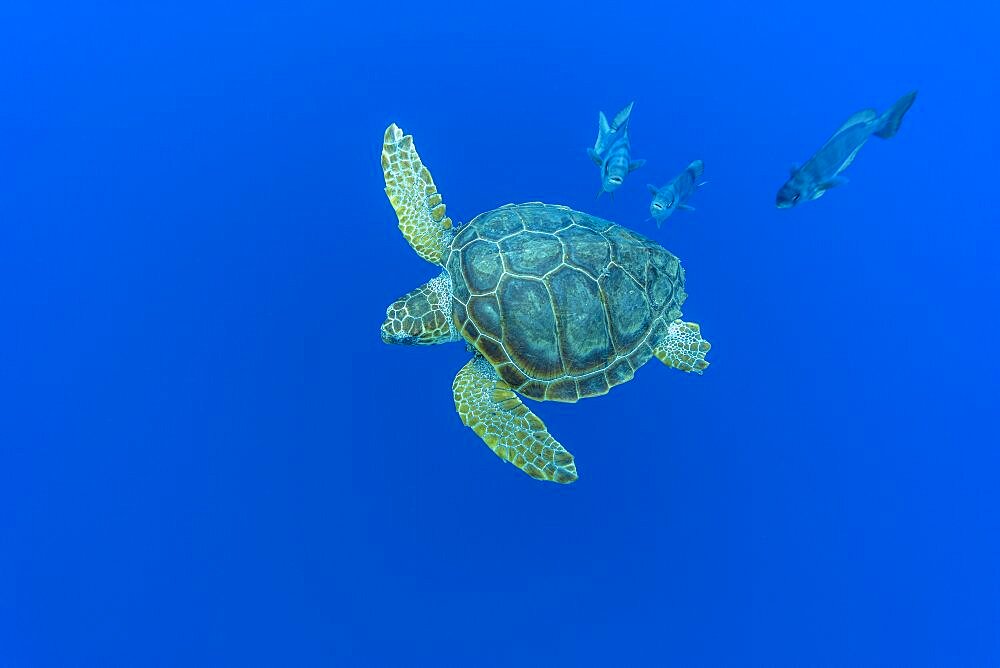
832 183
593 156
850 158
686 207
635 164
652 189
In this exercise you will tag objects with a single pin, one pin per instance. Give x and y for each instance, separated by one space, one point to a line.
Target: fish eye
795 198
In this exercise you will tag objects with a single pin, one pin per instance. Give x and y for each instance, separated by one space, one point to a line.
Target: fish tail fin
621 118
890 120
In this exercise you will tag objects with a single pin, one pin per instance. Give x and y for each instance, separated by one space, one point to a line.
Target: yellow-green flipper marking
683 348
414 196
487 405
422 316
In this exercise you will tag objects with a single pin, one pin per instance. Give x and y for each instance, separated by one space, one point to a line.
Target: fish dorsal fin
652 189
602 124
603 131
863 116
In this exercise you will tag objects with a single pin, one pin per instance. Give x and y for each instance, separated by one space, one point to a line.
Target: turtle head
422 316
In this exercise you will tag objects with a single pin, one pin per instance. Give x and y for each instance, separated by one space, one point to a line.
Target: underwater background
209 457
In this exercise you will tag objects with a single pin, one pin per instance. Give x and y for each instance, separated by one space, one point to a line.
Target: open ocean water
208 457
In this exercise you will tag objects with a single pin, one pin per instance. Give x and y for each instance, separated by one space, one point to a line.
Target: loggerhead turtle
556 305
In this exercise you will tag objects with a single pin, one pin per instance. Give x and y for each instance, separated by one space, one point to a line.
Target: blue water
208 457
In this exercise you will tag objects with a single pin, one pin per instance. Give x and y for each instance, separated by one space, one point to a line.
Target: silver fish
675 194
612 150
823 170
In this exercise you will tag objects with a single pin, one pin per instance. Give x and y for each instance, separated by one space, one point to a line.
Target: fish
824 170
612 150
675 194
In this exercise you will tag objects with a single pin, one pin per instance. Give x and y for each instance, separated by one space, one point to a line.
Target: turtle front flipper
415 198
488 405
683 348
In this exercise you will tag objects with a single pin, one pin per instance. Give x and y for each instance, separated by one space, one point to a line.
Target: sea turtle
555 304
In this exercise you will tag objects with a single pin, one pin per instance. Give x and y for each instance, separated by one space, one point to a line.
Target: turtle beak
392 332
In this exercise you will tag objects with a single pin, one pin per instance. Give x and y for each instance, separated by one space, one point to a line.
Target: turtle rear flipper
683 348
487 405
414 196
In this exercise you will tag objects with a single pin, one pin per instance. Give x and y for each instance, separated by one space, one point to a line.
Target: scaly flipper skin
415 198
487 405
683 348
422 316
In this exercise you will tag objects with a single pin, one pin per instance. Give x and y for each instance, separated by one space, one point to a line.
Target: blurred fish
823 170
675 194
612 150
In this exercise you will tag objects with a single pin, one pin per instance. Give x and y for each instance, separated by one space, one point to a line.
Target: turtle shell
563 304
